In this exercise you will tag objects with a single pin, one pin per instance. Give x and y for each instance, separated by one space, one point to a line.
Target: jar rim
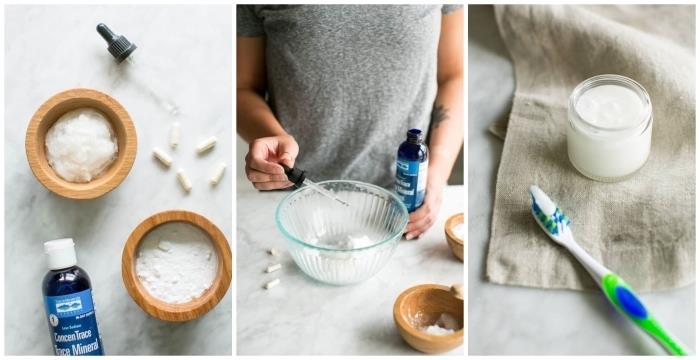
610 79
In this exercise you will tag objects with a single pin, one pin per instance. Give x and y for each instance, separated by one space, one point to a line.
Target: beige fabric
642 228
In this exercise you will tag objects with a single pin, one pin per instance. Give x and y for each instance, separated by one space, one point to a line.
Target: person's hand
424 217
262 163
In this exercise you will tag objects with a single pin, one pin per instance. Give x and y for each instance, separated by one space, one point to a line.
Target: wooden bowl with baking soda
122 130
430 318
454 237
162 265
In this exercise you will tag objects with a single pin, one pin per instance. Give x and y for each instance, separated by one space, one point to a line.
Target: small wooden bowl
176 312
421 306
456 244
52 110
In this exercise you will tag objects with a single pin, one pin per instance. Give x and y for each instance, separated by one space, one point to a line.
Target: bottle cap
414 136
60 253
297 176
117 45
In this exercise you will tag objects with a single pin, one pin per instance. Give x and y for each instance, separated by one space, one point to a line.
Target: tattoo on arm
437 116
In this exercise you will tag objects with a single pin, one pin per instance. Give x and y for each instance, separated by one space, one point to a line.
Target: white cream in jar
610 123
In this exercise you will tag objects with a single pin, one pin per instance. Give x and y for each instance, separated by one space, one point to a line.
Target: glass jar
610 123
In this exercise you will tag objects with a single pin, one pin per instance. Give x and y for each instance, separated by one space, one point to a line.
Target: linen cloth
642 228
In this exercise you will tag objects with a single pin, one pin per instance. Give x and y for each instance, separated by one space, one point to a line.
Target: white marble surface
185 53
507 320
303 316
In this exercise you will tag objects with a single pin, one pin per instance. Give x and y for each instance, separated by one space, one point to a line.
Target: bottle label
73 325
411 180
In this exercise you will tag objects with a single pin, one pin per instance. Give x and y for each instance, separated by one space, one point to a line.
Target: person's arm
256 124
446 124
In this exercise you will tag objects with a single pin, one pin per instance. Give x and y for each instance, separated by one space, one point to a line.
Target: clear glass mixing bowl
338 244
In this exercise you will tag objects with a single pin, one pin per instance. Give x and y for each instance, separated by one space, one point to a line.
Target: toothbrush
556 225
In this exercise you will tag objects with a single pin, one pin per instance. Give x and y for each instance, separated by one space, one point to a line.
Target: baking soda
176 263
445 325
343 265
437 330
458 230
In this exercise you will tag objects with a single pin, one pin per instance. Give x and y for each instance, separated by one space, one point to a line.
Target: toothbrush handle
627 302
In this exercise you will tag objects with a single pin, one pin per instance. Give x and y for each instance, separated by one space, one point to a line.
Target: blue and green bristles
550 222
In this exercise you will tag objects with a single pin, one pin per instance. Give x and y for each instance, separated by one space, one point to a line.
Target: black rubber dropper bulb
297 176
117 45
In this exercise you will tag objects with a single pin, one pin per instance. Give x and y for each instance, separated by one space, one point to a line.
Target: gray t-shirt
348 81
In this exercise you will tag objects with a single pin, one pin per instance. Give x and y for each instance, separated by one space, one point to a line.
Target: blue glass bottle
68 300
412 170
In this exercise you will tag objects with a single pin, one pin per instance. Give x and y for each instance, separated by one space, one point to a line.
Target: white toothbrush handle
596 269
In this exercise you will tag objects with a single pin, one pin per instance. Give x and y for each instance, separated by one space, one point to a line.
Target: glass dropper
298 177
121 49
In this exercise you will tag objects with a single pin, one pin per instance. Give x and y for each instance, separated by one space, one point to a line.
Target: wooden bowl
421 306
52 110
456 244
176 312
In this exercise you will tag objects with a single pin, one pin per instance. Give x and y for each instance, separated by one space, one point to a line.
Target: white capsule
272 284
184 181
174 135
165 245
273 268
218 173
206 145
273 252
162 156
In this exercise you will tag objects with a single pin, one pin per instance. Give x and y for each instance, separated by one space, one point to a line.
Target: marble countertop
303 316
507 320
184 55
